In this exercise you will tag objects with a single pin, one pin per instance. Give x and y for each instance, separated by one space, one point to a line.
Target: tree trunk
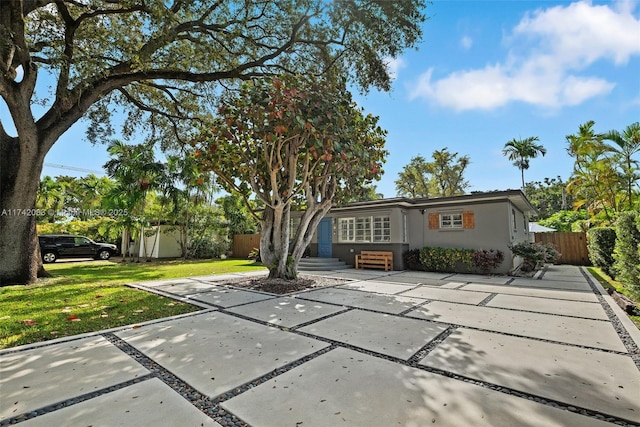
20 167
275 234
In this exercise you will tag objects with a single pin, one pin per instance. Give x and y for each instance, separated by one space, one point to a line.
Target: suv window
82 241
66 240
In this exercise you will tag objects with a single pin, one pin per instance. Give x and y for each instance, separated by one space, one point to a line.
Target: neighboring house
491 220
534 228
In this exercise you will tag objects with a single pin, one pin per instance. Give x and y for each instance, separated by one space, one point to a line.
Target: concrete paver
44 376
228 297
215 352
385 303
586 296
480 278
183 288
286 311
425 275
567 285
148 403
377 287
586 332
552 306
465 297
346 388
391 335
593 379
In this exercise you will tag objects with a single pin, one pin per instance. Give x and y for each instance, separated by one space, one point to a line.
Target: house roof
517 197
534 227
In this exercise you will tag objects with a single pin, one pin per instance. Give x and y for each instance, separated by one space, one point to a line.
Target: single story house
487 220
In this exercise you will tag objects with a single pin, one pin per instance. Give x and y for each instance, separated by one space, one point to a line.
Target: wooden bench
375 259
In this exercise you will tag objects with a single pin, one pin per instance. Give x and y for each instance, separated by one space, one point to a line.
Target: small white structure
161 241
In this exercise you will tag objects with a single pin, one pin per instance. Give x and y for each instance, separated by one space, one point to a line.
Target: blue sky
485 73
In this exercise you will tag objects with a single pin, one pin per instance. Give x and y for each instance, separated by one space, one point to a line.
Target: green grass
91 296
608 283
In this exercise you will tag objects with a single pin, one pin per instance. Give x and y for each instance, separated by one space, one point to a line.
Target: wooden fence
572 246
244 243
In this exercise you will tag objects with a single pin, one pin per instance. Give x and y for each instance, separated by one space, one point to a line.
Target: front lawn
608 283
91 296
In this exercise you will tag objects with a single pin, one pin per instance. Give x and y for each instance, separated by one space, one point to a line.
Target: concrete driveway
384 349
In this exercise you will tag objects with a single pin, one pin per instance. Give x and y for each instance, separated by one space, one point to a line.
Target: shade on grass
90 296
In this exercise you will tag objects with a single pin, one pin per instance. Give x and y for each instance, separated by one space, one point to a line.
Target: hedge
601 241
627 251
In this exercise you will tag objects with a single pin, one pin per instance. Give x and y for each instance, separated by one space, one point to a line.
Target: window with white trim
451 220
347 229
365 229
381 229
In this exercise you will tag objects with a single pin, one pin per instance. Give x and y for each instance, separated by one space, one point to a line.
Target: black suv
54 246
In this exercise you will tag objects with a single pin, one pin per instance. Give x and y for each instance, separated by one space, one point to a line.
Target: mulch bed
281 286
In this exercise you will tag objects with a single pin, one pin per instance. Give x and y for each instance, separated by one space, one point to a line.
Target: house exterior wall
496 226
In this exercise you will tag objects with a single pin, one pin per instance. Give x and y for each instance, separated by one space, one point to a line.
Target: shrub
534 253
486 261
446 259
601 242
411 259
254 255
627 252
204 248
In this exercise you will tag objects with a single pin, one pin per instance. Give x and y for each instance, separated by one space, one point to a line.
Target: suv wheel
49 257
104 254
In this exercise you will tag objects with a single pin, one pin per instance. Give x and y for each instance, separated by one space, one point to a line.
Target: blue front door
324 238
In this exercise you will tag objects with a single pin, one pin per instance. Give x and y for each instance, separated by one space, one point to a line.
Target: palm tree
134 168
50 197
520 151
624 146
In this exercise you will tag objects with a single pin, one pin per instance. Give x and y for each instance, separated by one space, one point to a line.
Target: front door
324 238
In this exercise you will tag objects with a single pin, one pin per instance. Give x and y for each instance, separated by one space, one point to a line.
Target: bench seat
375 259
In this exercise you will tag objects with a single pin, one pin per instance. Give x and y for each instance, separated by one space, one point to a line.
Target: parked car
54 246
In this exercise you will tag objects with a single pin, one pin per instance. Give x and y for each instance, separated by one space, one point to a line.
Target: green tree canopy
161 62
548 196
444 176
287 138
413 181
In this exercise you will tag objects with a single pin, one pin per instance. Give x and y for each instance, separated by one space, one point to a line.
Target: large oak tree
160 63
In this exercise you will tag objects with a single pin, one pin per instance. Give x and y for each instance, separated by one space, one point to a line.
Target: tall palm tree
625 146
520 151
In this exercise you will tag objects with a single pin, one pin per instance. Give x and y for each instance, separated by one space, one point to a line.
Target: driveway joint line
622 332
201 401
431 345
487 300
414 363
74 400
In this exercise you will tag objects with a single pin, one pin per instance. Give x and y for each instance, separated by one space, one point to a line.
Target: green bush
601 242
534 253
627 251
446 259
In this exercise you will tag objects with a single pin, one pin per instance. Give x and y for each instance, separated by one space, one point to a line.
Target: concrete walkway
383 349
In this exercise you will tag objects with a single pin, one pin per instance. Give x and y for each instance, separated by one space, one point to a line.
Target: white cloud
466 42
394 65
549 48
